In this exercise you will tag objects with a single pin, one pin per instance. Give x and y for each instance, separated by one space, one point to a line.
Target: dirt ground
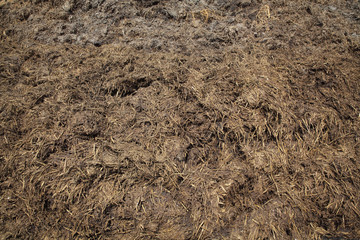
192 119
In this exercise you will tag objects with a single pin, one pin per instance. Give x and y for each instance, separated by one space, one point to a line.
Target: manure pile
193 119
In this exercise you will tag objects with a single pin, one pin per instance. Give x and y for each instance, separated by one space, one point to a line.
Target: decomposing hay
236 128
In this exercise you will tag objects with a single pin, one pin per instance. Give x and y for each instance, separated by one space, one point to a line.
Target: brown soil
193 119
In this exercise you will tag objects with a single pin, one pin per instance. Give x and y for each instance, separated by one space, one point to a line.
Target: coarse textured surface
193 119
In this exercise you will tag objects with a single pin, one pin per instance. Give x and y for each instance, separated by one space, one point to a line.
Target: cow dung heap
192 119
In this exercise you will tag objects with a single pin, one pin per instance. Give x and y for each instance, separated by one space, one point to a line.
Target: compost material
166 119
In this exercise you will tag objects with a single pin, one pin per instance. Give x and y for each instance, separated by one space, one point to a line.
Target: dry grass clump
252 141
